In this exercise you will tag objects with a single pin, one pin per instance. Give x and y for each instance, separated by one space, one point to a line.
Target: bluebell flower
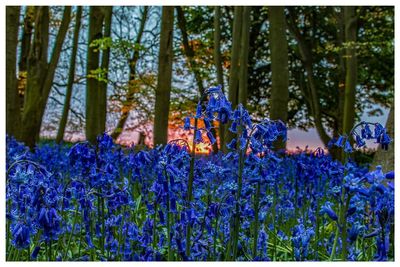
232 144
378 131
35 253
340 141
207 124
187 124
366 132
199 110
389 175
21 236
327 209
347 147
198 137
211 138
384 140
360 142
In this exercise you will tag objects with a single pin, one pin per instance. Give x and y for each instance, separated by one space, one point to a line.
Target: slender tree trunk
96 19
105 61
218 66
12 101
41 73
163 91
24 53
279 67
244 55
127 106
71 75
234 72
311 95
235 53
351 68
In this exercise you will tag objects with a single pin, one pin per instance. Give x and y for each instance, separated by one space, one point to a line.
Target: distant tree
71 76
96 85
279 67
132 83
163 91
40 72
234 71
26 39
12 101
244 56
218 65
350 19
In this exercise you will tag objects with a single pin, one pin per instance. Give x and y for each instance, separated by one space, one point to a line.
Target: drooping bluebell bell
186 124
20 235
327 209
347 147
340 141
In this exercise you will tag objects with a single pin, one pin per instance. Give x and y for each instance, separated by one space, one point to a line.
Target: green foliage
99 74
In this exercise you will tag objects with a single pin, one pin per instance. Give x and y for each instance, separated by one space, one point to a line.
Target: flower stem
190 188
256 210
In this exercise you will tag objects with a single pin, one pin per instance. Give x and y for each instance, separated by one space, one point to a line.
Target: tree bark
12 101
279 67
41 73
235 53
96 19
127 106
351 68
163 91
105 62
71 75
311 95
244 55
29 18
218 66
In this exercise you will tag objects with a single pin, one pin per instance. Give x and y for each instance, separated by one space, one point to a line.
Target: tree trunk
12 101
163 91
218 66
351 68
383 157
244 55
311 95
24 53
234 72
235 53
127 106
41 73
96 19
71 75
105 62
279 67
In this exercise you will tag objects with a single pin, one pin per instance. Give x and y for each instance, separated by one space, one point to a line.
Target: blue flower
186 124
360 142
198 137
199 110
21 236
339 142
326 209
211 138
347 147
366 132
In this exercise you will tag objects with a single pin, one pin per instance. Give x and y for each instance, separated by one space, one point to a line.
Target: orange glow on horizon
203 149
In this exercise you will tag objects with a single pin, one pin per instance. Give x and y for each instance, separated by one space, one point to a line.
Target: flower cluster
365 133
